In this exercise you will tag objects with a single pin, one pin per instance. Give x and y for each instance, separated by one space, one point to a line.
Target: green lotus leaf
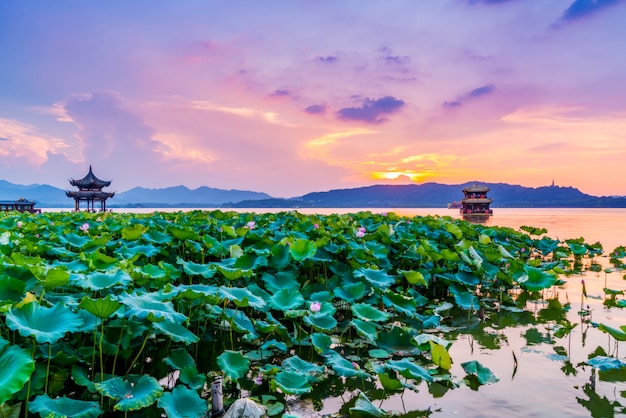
379 353
618 334
321 321
100 281
233 273
367 312
350 292
183 234
363 407
56 277
194 269
483 374
182 402
577 249
467 301
296 364
536 279
286 299
74 240
280 257
132 394
241 322
11 289
47 325
440 356
102 308
16 368
179 359
146 250
366 329
410 369
134 232
157 237
389 383
606 363
376 249
292 383
282 280
414 277
233 364
321 342
64 407
192 378
301 249
378 278
343 367
176 332
101 261
400 303
143 307
241 297
152 271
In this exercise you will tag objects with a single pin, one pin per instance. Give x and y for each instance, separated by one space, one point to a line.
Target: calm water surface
550 379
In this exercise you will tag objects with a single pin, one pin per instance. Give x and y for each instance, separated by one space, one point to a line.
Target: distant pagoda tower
89 190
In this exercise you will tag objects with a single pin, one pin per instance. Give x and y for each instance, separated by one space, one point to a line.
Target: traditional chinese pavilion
90 190
476 203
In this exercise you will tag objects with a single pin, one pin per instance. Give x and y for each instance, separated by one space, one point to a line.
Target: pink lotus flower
258 380
251 224
360 233
315 306
84 227
316 226
355 365
19 224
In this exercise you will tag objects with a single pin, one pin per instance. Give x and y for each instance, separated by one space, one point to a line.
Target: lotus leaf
282 280
134 232
467 301
389 383
100 281
141 306
11 289
233 273
56 277
296 364
100 261
286 299
135 251
301 249
536 279
343 367
182 402
606 363
133 393
401 303
47 325
366 329
292 383
350 292
64 407
176 332
13 411
484 375
618 334
414 277
179 359
16 368
194 269
233 364
321 321
440 356
367 312
241 297
102 308
410 369
363 407
321 342
378 278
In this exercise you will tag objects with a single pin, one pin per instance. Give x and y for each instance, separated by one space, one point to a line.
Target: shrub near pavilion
135 313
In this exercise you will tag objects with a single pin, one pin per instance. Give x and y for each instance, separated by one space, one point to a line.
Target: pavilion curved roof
90 182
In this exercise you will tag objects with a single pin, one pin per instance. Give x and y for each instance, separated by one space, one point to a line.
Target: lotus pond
135 315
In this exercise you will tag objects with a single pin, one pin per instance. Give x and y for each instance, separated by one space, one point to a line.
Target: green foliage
106 314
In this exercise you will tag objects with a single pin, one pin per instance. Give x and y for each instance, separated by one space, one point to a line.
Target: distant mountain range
414 195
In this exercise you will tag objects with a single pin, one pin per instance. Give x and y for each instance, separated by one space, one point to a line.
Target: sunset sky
289 97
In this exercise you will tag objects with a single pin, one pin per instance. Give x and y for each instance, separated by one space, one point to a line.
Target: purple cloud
390 58
582 8
371 110
280 93
317 109
328 59
4 139
474 94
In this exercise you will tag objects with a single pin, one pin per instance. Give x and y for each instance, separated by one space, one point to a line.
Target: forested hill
439 195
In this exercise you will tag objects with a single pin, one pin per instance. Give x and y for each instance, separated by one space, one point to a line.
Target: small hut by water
475 202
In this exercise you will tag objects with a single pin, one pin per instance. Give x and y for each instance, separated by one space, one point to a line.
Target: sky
289 97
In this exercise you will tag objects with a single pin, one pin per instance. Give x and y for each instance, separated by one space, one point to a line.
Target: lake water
550 379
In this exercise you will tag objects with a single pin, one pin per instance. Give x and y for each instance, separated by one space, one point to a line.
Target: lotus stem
143 345
100 349
117 349
48 367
